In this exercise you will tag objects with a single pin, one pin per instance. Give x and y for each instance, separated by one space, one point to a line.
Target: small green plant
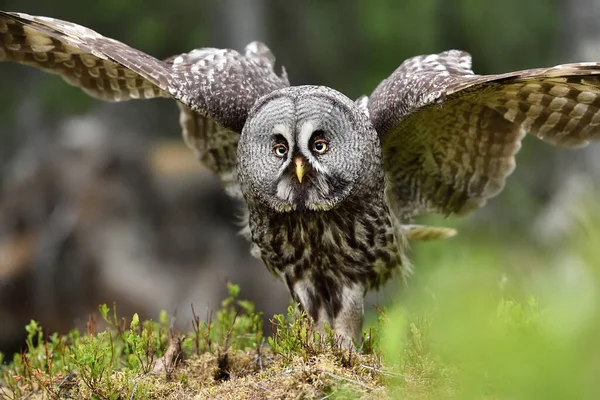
238 324
119 361
93 361
295 335
87 365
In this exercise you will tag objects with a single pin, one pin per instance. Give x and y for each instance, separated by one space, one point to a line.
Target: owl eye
320 146
280 150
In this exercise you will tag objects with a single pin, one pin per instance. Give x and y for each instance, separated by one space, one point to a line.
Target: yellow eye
280 150
320 146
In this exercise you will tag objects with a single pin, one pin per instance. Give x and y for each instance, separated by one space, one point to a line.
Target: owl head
308 148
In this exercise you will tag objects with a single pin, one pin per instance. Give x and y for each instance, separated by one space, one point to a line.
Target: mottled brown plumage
325 258
329 182
450 136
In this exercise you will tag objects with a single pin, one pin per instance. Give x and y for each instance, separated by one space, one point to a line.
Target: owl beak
299 161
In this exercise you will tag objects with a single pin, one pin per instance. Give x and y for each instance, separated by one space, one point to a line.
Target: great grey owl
328 182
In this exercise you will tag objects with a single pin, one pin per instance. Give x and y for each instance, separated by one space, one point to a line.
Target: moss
226 358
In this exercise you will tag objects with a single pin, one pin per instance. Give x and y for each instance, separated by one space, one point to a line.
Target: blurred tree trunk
239 22
581 30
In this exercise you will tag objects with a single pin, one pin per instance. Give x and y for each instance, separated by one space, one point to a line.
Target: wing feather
102 67
220 84
449 136
216 88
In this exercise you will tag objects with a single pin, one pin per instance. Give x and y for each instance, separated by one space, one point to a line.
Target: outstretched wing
220 84
216 88
102 67
449 136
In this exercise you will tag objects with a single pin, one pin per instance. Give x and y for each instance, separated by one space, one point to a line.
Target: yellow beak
299 161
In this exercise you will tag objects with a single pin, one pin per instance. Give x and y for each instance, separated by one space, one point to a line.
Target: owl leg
341 307
348 321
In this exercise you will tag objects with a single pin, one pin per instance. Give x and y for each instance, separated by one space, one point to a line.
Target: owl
329 183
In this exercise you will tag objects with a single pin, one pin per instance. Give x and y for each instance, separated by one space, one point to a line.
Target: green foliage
92 364
295 335
472 325
141 344
501 321
120 360
92 358
236 325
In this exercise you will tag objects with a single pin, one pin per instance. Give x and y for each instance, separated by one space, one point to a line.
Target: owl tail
426 233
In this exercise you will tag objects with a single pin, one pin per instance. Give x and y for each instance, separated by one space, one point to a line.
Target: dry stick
207 339
257 386
394 374
384 372
134 390
47 351
66 378
380 311
173 351
259 353
343 378
196 327
332 375
112 350
230 331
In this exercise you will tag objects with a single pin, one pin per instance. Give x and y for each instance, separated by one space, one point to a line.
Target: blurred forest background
100 202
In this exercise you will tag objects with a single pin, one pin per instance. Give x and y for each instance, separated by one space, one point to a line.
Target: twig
394 374
380 311
134 390
259 353
230 330
343 378
383 372
328 396
66 378
257 386
28 395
